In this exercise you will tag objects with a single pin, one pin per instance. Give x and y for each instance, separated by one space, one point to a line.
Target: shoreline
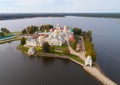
9 40
14 16
93 71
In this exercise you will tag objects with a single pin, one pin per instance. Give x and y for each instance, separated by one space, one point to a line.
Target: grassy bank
22 48
51 54
76 58
9 40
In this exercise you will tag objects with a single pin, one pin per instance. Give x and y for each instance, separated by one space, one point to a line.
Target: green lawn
23 48
61 48
71 55
76 58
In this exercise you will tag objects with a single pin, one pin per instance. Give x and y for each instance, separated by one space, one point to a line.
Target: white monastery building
88 61
56 36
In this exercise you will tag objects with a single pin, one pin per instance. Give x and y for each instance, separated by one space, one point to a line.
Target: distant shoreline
11 16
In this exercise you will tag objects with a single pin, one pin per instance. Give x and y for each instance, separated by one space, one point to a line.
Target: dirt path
94 71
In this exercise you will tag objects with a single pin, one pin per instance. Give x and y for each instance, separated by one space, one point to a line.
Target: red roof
72 38
61 28
35 36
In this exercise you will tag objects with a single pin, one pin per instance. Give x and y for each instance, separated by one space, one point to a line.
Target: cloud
27 2
34 2
59 5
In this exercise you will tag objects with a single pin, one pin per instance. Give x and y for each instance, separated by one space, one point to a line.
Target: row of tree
4 31
89 47
32 29
46 27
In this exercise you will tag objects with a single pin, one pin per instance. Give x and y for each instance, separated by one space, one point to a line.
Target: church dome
51 30
89 58
56 31
40 37
58 26
65 27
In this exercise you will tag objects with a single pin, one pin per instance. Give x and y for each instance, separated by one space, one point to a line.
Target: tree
89 45
24 31
30 30
23 41
38 48
45 27
66 51
73 44
92 53
42 28
77 31
1 34
45 47
4 30
88 36
35 28
52 49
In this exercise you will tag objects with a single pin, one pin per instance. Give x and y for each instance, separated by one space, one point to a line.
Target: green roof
71 30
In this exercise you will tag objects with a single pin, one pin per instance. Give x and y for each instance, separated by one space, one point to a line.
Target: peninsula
67 43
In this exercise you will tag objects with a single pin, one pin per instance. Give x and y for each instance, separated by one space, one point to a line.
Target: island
62 42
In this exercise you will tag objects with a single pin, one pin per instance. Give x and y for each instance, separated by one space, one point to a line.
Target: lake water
19 69
15 66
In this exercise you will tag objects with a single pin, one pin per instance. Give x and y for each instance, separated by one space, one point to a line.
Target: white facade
40 38
65 30
56 37
55 42
31 42
31 51
88 61
58 26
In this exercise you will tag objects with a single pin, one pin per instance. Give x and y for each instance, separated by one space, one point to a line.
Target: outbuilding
31 51
88 61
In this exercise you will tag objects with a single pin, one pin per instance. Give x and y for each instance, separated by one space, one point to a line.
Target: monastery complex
56 36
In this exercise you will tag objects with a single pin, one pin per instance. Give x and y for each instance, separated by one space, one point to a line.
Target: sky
59 6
